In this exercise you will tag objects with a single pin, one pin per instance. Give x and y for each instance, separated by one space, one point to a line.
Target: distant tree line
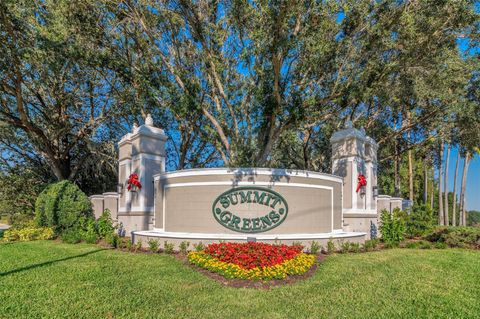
238 83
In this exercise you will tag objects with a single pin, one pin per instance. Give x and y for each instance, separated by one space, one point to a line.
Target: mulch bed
255 284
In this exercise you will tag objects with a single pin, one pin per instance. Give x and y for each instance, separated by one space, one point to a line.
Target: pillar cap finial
149 120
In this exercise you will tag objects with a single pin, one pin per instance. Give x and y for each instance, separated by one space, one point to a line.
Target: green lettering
225 217
246 224
269 196
232 196
245 198
265 221
234 222
275 202
259 198
224 201
274 216
256 224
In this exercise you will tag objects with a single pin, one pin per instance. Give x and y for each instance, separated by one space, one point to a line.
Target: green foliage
412 245
89 231
72 236
138 246
344 246
370 244
28 233
354 247
330 246
440 245
128 244
184 247
461 237
420 221
168 247
314 248
473 218
392 227
112 240
105 224
61 205
199 246
153 245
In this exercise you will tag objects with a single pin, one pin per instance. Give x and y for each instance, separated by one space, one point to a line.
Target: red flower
251 255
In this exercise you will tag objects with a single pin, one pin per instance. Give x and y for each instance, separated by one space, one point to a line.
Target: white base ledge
160 233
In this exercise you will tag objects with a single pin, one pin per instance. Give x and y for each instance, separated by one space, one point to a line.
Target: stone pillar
395 202
97 205
383 202
110 202
141 152
354 153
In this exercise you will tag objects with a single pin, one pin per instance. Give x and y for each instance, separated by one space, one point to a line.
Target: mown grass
46 279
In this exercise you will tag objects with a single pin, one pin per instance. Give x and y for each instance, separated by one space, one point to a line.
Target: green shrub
27 233
168 247
461 237
354 247
184 247
422 244
344 246
153 245
330 246
112 240
199 247
314 248
128 244
370 244
392 227
105 224
138 246
89 231
61 205
72 236
412 245
420 221
440 245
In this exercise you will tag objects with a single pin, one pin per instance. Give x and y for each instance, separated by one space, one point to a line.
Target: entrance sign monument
233 204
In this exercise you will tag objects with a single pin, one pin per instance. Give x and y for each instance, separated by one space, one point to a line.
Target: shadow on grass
47 263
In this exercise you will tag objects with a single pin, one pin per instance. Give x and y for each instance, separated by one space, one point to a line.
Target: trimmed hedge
61 205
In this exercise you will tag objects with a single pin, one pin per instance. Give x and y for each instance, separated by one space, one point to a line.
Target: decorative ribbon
133 181
362 181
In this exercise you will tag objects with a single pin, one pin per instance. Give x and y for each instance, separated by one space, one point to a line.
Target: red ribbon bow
362 181
133 181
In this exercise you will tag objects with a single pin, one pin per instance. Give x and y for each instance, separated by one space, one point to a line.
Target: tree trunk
454 208
397 170
441 217
425 183
432 188
445 188
410 175
466 163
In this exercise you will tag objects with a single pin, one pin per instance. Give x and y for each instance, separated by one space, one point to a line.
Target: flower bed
253 261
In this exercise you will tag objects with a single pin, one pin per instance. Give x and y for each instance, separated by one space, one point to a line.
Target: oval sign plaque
250 209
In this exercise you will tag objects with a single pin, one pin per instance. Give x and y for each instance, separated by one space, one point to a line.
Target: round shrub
61 205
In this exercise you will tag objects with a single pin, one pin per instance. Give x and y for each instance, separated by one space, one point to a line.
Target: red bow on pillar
362 181
133 181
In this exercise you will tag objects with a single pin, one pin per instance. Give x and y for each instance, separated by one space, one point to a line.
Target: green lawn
45 279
